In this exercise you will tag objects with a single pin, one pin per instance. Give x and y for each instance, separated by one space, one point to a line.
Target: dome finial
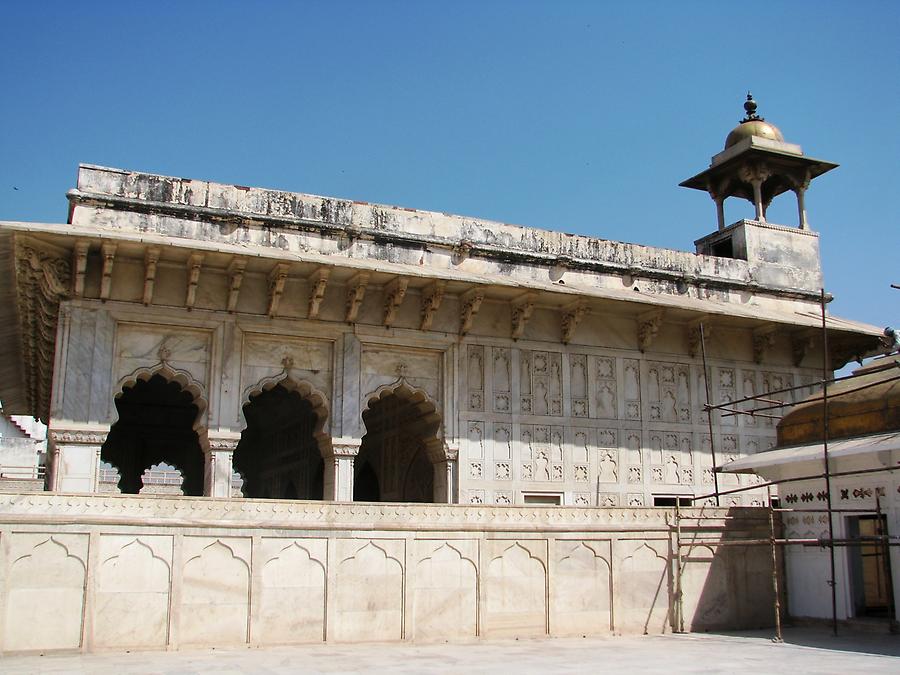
750 109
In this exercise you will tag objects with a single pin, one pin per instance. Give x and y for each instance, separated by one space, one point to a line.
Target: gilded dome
753 125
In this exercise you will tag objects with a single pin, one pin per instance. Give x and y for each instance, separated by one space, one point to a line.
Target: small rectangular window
672 500
542 499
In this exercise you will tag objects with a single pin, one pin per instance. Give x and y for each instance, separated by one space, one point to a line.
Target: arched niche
158 418
280 454
401 446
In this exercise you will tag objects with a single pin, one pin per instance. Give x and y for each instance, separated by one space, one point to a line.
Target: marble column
757 199
445 478
339 467
75 459
801 207
218 470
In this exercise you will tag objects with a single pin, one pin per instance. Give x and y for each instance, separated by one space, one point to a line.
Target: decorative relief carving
581 473
521 311
277 279
502 471
432 297
79 266
235 279
78 436
648 327
578 383
502 379
108 251
668 392
582 499
356 292
606 388
41 282
571 317
502 441
632 387
476 470
475 372
394 293
635 499
502 498
470 303
318 282
763 341
726 393
476 439
607 499
541 383
194 264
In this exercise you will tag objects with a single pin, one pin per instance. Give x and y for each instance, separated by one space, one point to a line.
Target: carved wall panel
606 388
515 589
541 383
541 456
501 382
579 383
475 377
368 596
143 346
268 356
445 593
632 389
292 592
45 598
382 365
217 613
581 602
132 594
669 392
643 588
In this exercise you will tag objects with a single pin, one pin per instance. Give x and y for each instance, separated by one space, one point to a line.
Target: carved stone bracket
432 297
235 279
195 262
801 343
522 309
648 325
318 281
151 259
79 267
571 317
394 293
109 257
356 292
277 279
763 341
469 304
692 333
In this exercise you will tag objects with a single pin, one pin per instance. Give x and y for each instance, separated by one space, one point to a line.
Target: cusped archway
400 447
158 421
280 454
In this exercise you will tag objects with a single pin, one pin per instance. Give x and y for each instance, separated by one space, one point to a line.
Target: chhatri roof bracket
758 165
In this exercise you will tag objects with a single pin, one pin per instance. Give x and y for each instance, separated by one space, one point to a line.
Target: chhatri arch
402 455
284 442
160 416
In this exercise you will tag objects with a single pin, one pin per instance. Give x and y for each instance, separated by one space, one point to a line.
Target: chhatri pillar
758 165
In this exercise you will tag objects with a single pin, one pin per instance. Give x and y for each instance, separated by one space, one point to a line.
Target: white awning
840 449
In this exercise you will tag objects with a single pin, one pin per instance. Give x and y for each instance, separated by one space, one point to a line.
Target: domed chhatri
757 165
753 125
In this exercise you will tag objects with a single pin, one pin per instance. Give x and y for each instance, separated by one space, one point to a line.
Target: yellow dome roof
753 125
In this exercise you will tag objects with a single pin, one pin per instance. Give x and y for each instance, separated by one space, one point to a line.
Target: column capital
223 441
79 436
345 447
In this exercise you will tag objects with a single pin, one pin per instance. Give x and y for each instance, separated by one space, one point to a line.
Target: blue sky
577 116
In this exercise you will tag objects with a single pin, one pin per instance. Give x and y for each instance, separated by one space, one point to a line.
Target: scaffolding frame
732 409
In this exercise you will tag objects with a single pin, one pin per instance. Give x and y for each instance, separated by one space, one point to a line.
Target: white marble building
272 346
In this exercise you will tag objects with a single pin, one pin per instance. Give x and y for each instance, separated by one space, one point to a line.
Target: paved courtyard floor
805 650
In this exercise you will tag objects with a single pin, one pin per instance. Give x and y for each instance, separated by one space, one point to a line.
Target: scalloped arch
307 391
180 377
428 409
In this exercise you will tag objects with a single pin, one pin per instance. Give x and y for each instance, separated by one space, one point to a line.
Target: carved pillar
445 478
218 465
75 459
339 466
757 199
801 207
720 212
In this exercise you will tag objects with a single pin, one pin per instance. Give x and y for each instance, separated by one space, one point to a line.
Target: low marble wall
95 572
